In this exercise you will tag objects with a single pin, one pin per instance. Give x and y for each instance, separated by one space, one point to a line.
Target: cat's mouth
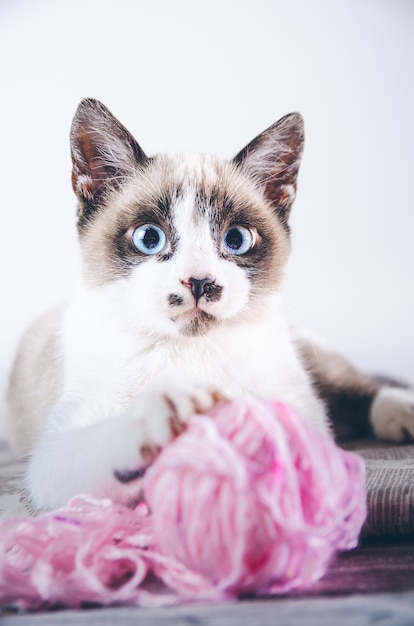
194 322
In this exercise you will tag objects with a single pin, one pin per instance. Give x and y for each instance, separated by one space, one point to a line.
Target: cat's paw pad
392 414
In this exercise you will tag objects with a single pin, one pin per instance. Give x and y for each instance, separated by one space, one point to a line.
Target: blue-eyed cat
177 306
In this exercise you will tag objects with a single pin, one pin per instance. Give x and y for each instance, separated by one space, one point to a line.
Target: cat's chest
256 359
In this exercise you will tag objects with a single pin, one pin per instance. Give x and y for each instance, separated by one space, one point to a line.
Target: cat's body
177 306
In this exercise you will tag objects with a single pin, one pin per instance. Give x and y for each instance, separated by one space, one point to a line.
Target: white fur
392 414
129 371
93 419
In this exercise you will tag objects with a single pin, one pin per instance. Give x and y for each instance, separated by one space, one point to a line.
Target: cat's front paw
392 414
158 416
167 405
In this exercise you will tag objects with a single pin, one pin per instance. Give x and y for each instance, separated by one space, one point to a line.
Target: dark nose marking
203 287
175 300
199 286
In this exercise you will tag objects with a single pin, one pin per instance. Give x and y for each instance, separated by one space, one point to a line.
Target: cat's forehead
197 170
211 182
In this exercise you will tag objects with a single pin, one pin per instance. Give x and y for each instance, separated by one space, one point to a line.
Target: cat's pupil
234 239
151 238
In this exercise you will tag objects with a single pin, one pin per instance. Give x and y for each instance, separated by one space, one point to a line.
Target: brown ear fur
273 159
104 155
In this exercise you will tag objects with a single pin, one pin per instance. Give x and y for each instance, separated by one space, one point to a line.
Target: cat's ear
273 160
104 155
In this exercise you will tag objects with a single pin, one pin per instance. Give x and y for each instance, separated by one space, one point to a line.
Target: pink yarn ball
255 499
248 498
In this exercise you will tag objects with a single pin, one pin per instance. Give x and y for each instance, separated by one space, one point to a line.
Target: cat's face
184 243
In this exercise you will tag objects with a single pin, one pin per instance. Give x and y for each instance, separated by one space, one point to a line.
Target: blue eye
149 239
238 240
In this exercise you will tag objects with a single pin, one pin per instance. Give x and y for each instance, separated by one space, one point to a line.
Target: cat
177 307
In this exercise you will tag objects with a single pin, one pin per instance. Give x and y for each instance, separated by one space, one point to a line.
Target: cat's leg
359 405
108 458
392 413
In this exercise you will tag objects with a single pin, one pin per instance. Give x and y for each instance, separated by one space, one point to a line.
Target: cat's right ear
104 155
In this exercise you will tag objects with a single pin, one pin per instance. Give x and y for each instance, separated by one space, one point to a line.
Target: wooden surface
387 610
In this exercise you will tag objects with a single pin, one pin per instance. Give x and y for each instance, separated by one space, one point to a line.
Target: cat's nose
198 286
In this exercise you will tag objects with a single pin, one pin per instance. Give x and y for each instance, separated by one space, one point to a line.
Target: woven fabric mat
390 487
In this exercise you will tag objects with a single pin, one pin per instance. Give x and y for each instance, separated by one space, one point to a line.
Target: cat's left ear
273 160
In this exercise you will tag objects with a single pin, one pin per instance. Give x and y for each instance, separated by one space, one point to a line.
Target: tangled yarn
248 499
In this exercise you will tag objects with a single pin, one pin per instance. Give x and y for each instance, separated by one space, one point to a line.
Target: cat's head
185 242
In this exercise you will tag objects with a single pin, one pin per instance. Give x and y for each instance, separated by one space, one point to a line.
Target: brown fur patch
199 325
34 380
347 392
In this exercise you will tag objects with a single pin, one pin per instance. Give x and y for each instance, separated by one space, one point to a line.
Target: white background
209 75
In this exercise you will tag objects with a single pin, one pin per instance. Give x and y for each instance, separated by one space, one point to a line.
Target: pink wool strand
248 499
